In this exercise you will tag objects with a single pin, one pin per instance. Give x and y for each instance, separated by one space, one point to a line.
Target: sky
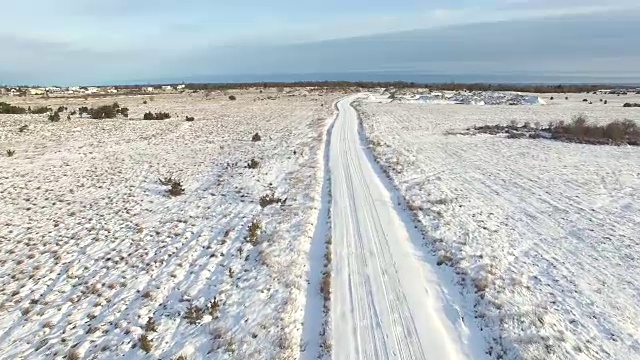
71 41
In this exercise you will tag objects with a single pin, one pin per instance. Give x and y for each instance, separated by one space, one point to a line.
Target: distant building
148 89
180 87
167 88
38 91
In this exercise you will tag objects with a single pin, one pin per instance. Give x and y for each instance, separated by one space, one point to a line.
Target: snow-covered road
387 301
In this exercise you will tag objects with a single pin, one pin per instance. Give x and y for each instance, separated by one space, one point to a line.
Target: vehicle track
387 303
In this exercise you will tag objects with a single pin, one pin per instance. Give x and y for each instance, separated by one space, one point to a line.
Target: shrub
627 105
23 128
10 153
253 164
10 109
55 117
566 98
189 118
176 189
145 102
625 131
270 199
102 112
606 102
123 111
614 131
61 109
256 137
163 116
157 116
145 343
551 98
83 110
232 97
584 100
40 110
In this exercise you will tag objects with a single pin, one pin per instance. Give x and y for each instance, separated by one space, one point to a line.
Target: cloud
590 42
601 43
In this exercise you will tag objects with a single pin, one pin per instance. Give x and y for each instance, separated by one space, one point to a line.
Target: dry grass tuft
145 343
73 354
194 314
253 234
150 325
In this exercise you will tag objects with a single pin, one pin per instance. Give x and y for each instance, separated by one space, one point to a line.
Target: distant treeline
398 85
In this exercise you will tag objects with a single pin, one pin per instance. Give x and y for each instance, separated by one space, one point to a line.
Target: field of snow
543 234
97 260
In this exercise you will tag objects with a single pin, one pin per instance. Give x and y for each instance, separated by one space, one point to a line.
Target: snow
542 234
461 98
92 247
388 300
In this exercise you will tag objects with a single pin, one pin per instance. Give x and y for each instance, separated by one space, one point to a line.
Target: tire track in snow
386 303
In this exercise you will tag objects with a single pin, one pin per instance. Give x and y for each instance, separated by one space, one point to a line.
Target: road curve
387 303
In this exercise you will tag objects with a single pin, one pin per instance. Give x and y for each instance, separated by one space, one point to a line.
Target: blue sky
61 39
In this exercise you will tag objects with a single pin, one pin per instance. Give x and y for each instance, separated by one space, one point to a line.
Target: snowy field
97 260
544 233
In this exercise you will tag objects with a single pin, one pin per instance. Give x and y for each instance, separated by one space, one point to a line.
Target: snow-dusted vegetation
543 233
121 237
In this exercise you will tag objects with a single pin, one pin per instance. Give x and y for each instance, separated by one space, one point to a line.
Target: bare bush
256 137
578 131
10 109
55 117
10 153
40 110
157 116
270 199
166 181
253 164
176 189
150 325
194 314
214 308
